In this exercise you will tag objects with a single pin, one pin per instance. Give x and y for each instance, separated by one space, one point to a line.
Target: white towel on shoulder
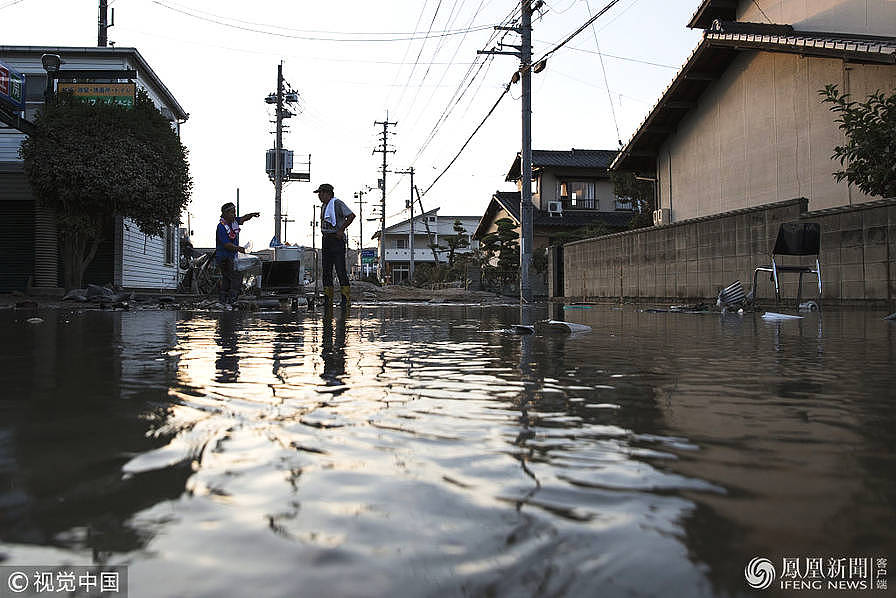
330 212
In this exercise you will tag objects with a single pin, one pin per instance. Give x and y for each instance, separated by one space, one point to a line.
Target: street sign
12 87
121 94
368 256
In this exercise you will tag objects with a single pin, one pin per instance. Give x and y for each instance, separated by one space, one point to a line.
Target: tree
504 244
869 156
459 240
642 194
88 162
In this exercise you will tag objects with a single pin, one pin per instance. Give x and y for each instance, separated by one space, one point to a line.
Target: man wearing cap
227 245
335 218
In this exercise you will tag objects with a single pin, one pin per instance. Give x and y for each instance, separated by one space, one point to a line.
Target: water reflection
403 450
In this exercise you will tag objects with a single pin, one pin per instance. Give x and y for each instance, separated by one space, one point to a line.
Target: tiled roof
574 158
569 219
710 10
784 38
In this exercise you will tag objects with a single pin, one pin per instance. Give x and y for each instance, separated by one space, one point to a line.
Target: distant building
570 190
742 125
29 239
429 229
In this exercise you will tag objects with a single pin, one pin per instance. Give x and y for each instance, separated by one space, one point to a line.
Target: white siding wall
761 135
143 261
867 17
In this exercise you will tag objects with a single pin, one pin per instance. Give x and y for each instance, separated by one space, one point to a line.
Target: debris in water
772 316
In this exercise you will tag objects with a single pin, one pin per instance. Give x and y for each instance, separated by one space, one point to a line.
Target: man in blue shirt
227 245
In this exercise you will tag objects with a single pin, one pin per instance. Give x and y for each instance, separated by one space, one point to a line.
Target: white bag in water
772 316
566 326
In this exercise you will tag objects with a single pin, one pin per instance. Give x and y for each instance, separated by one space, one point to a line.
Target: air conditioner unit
555 207
662 216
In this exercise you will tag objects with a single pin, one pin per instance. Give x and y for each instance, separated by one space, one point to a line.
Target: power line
467 142
603 68
577 31
625 58
762 11
314 38
13 3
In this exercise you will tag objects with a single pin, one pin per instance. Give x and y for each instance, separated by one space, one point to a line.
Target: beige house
743 125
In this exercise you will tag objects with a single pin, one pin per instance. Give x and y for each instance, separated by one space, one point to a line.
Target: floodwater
423 451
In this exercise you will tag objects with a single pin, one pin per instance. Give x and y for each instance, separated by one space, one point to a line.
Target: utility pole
102 39
314 243
381 266
433 241
278 158
410 204
524 75
526 157
285 220
359 196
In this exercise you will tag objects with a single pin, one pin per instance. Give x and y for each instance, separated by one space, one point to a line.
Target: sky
354 62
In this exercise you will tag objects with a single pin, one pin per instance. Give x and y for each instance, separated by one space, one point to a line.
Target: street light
51 64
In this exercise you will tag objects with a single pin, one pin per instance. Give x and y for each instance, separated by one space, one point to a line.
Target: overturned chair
797 239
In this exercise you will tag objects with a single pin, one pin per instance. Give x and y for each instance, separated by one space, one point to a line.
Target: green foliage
504 244
458 240
869 156
89 162
642 195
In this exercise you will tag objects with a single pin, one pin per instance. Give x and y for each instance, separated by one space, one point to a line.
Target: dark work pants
333 255
231 280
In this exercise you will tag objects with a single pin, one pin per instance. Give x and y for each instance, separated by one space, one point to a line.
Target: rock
76 295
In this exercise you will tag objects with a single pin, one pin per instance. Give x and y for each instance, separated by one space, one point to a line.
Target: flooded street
425 451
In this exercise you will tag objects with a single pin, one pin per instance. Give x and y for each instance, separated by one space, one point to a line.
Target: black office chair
794 238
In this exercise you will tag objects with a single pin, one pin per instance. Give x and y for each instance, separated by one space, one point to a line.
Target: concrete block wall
694 259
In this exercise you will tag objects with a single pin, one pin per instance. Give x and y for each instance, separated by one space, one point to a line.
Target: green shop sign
121 94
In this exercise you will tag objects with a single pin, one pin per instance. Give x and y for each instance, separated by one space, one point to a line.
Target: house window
432 218
624 203
578 195
400 272
401 243
170 238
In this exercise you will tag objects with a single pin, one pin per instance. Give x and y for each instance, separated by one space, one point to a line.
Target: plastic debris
558 325
808 306
892 316
35 320
522 329
773 316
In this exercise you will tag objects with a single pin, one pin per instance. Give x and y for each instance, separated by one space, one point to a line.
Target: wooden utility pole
381 265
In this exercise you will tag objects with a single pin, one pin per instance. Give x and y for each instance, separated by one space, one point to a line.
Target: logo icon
760 573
